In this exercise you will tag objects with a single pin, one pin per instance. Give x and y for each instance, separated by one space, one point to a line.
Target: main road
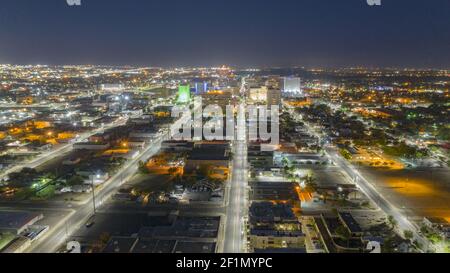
237 209
368 189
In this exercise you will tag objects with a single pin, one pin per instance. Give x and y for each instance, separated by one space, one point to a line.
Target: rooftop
10 220
350 222
269 212
209 153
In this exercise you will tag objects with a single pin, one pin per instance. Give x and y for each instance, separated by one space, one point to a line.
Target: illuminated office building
184 93
201 87
292 87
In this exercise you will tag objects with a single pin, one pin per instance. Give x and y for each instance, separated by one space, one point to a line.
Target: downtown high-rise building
184 93
201 87
292 87
273 97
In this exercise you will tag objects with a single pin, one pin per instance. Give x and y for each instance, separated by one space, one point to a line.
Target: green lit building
184 93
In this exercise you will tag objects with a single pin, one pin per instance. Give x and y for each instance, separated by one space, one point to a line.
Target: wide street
234 241
370 191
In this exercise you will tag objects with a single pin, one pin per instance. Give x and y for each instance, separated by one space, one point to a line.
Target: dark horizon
266 33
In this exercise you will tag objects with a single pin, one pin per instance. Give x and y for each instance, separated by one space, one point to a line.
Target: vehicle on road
90 222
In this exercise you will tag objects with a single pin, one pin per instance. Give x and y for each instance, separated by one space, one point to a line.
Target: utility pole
67 232
93 194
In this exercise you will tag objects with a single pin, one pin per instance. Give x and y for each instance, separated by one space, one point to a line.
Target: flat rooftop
142 245
209 153
14 220
273 191
185 227
280 250
269 212
276 233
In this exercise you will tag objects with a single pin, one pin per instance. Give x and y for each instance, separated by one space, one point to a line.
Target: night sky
311 33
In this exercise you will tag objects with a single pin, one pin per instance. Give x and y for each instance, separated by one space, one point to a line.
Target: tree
388 245
344 233
310 182
409 235
392 222
285 162
424 229
75 180
143 168
22 178
444 133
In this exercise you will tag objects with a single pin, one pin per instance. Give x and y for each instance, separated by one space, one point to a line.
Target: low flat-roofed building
280 192
280 250
184 227
274 226
268 212
208 155
161 246
120 245
258 158
299 158
269 239
177 146
144 120
16 222
145 245
195 247
100 138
